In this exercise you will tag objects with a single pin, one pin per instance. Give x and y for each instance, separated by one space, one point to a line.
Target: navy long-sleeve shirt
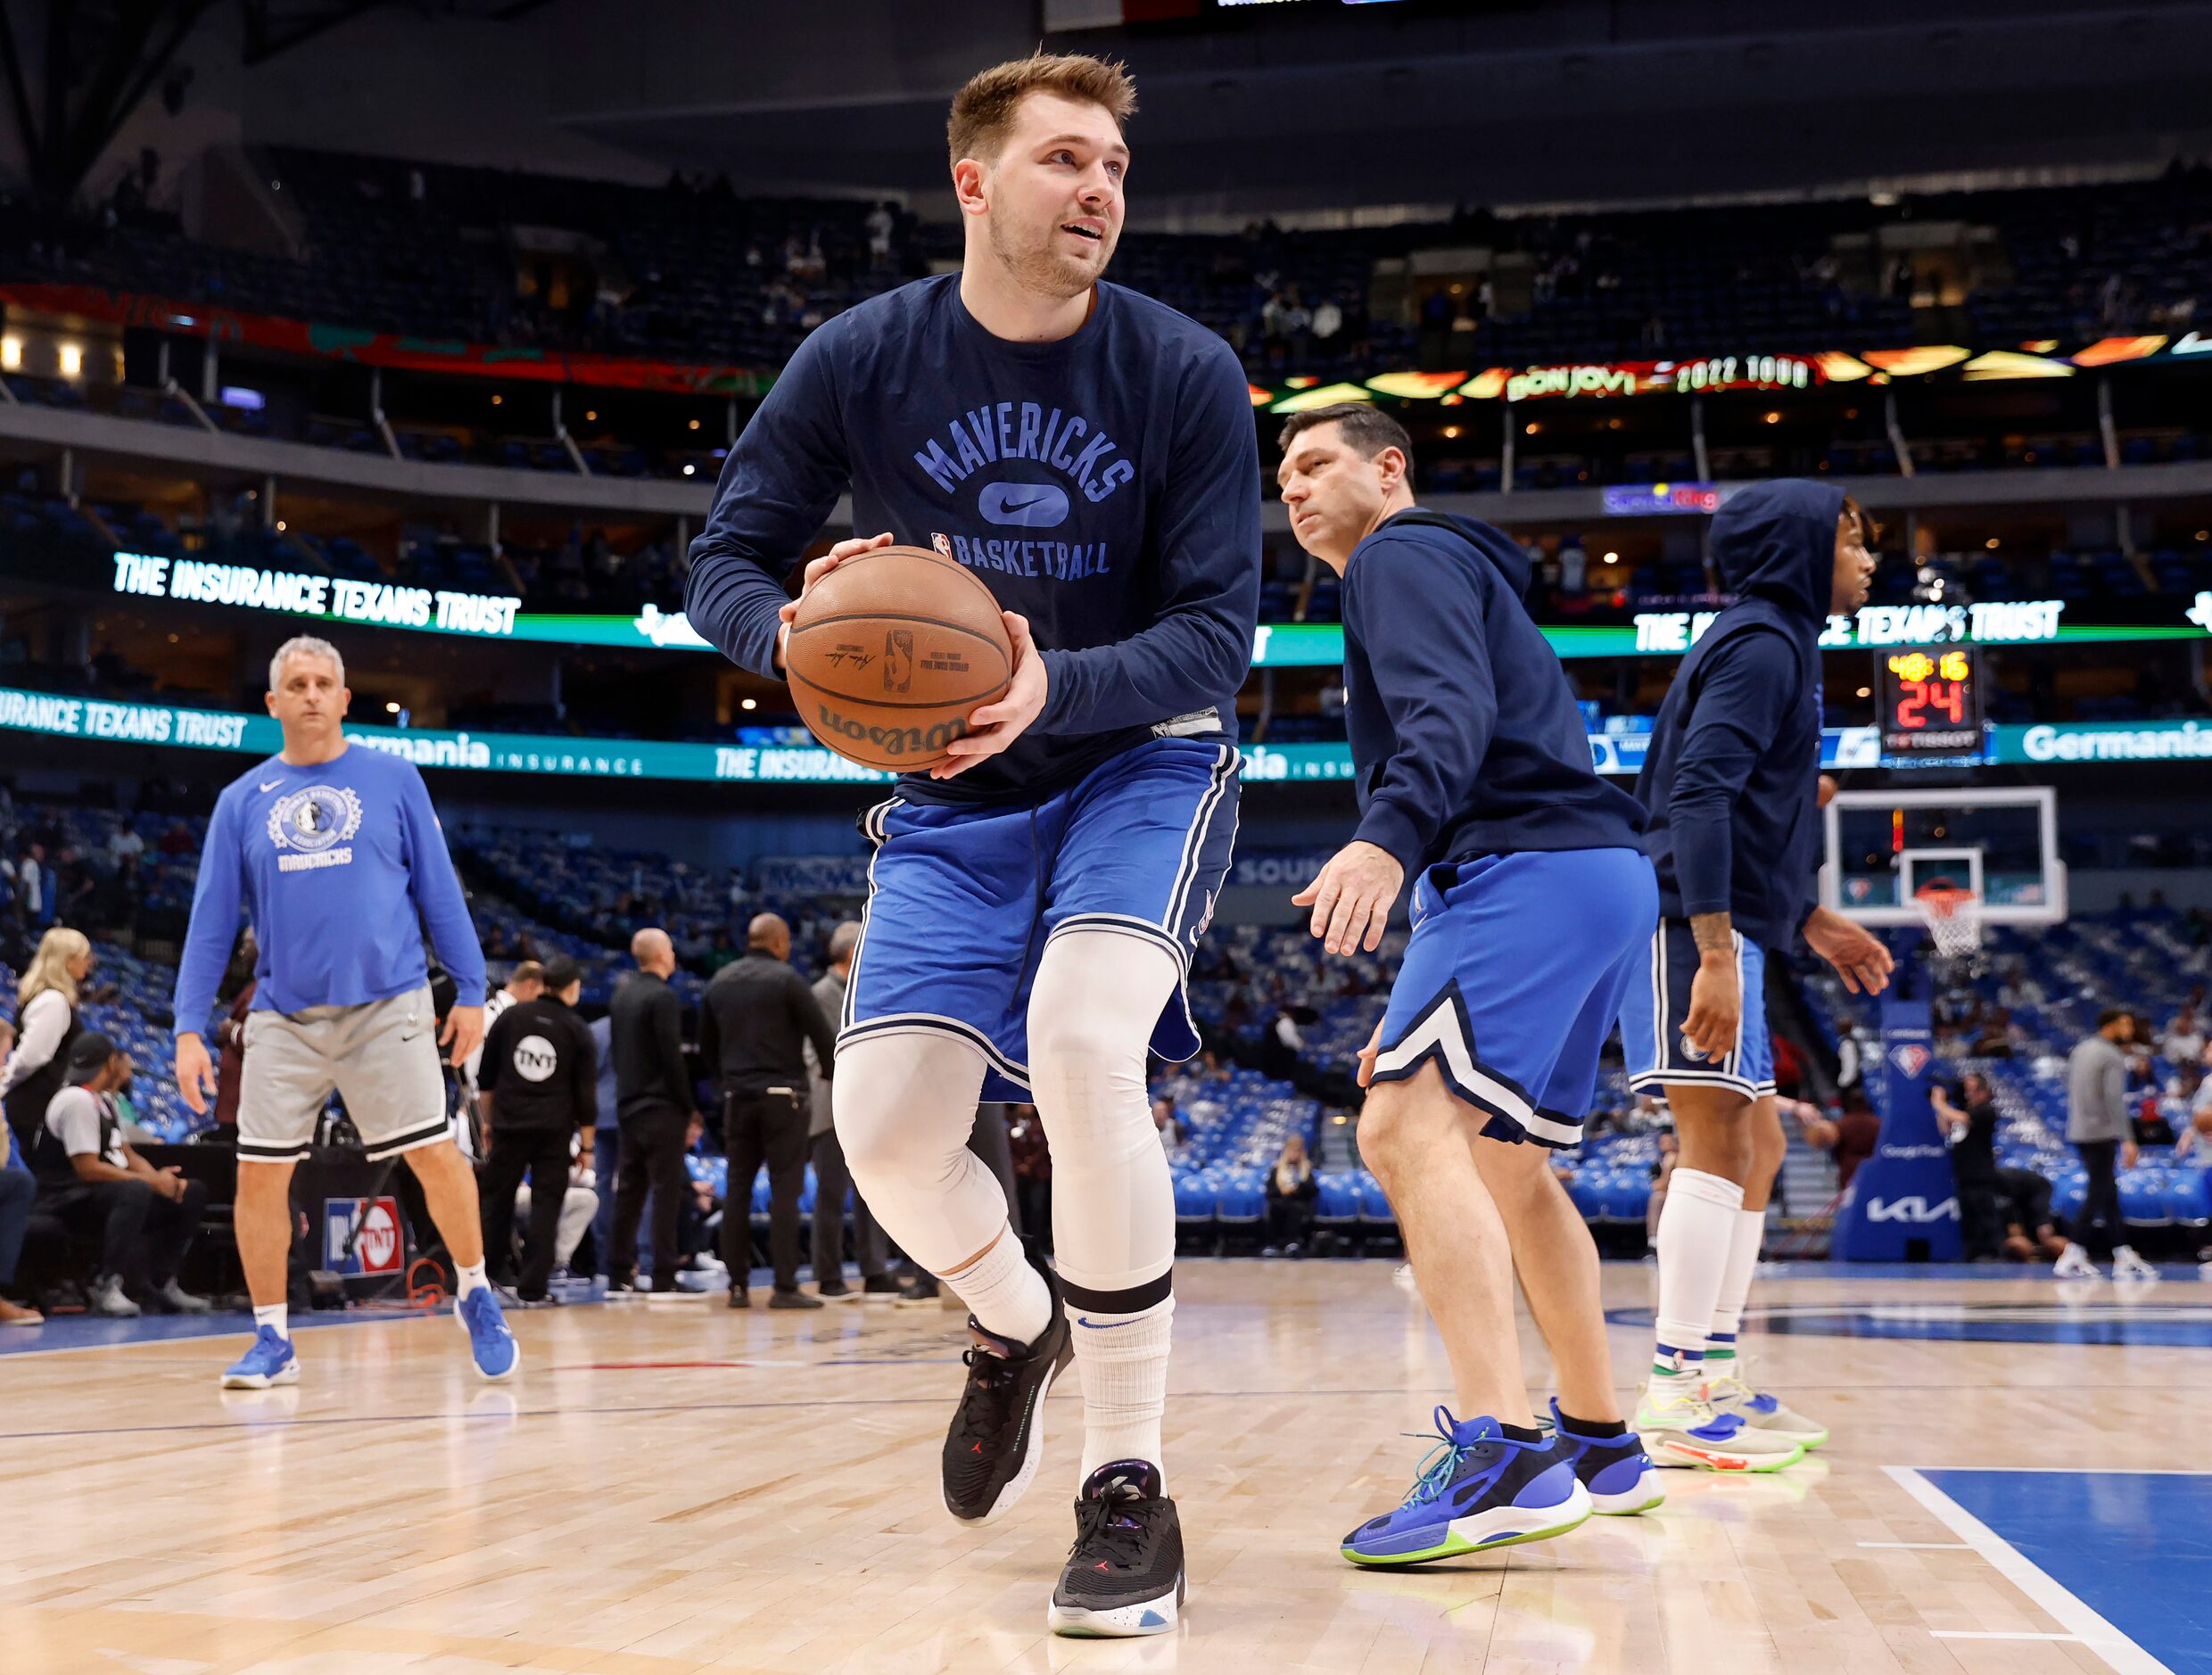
340 865
1731 782
1464 733
1105 486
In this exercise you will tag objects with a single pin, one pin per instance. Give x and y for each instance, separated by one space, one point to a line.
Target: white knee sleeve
904 1105
1097 996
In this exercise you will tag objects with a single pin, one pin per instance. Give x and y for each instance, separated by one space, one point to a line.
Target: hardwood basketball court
670 1488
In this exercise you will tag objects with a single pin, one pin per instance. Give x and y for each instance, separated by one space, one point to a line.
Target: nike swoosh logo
1023 505
272 785
1102 1326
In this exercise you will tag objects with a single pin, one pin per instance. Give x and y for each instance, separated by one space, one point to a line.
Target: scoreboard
1931 700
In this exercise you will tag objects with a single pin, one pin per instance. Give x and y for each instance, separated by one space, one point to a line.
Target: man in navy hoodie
1730 787
1531 905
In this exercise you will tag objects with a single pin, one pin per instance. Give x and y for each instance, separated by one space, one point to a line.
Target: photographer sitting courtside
90 1176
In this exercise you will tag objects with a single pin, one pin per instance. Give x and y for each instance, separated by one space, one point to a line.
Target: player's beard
1035 265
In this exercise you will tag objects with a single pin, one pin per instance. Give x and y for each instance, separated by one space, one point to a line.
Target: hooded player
1730 787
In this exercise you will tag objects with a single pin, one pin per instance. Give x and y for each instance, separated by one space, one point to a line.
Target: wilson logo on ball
892 652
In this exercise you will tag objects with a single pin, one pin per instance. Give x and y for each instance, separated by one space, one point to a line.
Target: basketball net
1953 918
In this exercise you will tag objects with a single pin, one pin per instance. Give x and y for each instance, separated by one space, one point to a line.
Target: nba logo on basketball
1910 1059
898 659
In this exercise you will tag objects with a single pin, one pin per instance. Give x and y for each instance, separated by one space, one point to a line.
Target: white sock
1092 1008
1006 1295
1697 1232
1123 1360
1722 1352
275 1316
470 1276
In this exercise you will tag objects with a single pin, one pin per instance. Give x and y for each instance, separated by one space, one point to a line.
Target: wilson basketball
890 654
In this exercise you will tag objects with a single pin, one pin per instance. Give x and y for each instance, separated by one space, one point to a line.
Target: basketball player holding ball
1090 455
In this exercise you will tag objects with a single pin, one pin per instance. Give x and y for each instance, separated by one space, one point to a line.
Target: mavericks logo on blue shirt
315 824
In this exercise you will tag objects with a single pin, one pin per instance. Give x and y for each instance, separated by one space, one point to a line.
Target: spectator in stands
18 1188
653 1101
1291 1190
2097 1127
1173 1130
1849 1139
2184 1039
833 1178
1970 1126
45 1017
539 1091
89 1176
1995 1039
34 891
755 1021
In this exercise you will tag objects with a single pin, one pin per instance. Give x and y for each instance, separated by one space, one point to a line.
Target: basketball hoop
1953 918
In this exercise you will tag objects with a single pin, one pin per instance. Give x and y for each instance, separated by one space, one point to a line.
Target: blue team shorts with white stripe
963 900
1652 1015
1514 974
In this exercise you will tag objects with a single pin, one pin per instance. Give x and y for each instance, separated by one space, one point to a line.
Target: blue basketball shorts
1652 1015
963 901
1512 978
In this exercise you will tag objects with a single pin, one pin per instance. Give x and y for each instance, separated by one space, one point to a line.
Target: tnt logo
378 1248
1911 1058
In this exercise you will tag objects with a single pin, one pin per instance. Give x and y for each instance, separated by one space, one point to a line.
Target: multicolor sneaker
1124 1575
492 1346
1619 1475
1478 1488
1729 1394
997 1435
1682 1429
268 1360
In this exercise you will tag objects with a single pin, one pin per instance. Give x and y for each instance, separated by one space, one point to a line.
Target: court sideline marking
2081 1623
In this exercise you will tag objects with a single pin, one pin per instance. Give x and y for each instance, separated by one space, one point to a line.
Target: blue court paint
2134 1547
91 1331
2152 1320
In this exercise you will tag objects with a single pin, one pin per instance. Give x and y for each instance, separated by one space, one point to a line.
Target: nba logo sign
377 1248
1910 1059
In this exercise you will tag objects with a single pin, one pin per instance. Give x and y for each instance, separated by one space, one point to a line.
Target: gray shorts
381 1056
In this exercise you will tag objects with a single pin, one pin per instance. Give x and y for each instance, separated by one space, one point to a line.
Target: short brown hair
983 110
1368 430
526 971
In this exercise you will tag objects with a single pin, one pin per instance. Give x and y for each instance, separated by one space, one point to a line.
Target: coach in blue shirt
333 852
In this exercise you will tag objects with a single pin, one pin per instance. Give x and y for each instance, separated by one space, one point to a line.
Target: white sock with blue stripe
1722 1355
1696 1231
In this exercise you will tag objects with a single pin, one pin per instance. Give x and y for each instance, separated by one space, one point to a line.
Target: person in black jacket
538 1085
753 1025
653 1101
1970 1126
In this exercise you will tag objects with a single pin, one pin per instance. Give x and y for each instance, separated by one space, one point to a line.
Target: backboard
1882 847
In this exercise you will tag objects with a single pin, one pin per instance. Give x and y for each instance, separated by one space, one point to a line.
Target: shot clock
1931 701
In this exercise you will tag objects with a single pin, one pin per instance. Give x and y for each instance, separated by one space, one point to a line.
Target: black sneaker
880 1286
738 1297
997 1435
918 1293
781 1299
1124 1575
623 1289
